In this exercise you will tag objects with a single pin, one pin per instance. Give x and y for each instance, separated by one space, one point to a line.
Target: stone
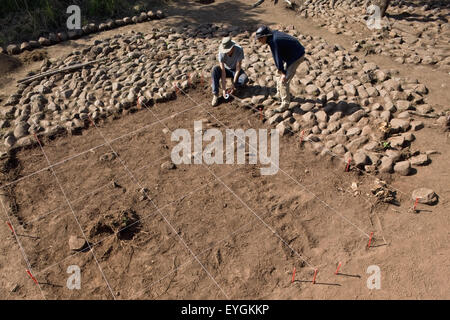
395 155
321 116
369 66
357 143
312 89
403 105
21 130
25 46
400 124
275 119
371 146
283 128
353 131
416 125
339 149
258 99
424 195
409 136
309 117
420 160
349 89
356 116
424 108
361 159
13 49
76 243
392 85
168 165
397 142
44 41
307 106
403 168
282 108
10 141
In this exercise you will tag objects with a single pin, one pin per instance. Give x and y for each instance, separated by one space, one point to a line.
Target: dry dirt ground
218 231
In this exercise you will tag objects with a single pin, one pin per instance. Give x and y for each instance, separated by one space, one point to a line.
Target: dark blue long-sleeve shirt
285 48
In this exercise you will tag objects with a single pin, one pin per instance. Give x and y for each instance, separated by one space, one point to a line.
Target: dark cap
263 31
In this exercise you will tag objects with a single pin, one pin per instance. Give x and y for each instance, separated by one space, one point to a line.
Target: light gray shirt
231 62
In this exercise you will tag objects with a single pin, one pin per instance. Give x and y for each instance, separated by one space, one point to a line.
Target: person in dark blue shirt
287 53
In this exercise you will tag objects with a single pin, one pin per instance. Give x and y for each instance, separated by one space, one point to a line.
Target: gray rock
349 89
386 165
353 131
385 116
44 41
168 165
424 195
424 108
307 106
403 168
21 130
283 128
403 105
397 142
321 116
395 155
339 149
312 89
258 99
400 124
357 143
356 116
10 141
392 85
13 49
371 146
275 119
416 125
361 159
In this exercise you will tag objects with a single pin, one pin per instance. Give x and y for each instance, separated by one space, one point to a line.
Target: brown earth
248 231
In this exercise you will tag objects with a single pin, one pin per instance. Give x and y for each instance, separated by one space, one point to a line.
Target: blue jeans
217 75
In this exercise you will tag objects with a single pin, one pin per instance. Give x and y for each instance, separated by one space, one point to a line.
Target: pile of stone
54 38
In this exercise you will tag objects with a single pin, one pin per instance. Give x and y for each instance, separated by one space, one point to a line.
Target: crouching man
287 53
230 66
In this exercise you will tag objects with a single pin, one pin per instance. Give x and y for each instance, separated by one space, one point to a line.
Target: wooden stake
10 226
337 270
314 278
31 276
348 165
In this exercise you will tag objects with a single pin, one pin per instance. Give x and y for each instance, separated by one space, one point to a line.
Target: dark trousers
217 75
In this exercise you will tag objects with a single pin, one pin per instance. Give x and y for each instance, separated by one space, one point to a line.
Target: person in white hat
230 66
